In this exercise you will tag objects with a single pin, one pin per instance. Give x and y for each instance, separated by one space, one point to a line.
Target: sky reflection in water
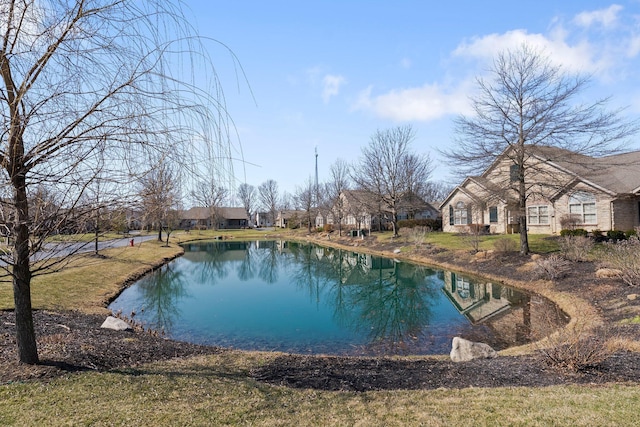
302 298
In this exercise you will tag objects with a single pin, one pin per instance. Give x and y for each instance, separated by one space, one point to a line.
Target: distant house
219 218
565 190
359 209
290 218
264 219
232 218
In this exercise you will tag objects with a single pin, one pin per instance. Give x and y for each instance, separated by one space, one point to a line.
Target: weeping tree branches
95 88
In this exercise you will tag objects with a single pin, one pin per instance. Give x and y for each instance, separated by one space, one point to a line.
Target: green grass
538 243
218 390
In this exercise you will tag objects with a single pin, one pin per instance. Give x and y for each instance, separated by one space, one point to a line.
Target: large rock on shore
115 324
464 350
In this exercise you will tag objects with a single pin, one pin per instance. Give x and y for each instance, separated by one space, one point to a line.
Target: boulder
115 324
464 350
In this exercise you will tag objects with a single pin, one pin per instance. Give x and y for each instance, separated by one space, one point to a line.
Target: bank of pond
303 298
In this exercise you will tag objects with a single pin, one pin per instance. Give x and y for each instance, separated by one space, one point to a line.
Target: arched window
582 207
460 214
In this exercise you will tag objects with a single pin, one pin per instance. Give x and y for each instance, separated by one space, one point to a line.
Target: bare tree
529 103
390 172
269 198
287 201
85 84
305 198
160 196
437 191
247 196
211 196
338 183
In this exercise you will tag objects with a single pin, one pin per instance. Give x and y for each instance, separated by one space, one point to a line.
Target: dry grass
88 282
216 390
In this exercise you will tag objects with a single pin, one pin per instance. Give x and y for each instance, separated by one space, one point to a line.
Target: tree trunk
524 237
25 333
160 232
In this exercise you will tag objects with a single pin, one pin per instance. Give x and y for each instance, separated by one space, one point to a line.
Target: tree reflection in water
387 300
161 292
300 297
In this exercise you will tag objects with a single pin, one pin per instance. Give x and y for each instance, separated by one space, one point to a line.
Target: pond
302 298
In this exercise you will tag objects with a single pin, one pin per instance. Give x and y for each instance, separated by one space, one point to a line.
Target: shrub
328 228
616 235
504 245
418 235
569 222
630 233
578 349
574 232
598 235
624 256
576 248
552 267
433 224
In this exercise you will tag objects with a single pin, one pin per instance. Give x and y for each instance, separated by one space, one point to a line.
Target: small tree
335 188
159 192
389 171
305 199
211 196
247 195
269 198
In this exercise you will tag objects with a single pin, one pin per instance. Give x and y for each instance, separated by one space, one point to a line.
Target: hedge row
434 224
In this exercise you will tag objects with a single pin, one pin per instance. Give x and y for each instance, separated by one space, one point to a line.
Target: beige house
290 218
564 190
218 218
358 209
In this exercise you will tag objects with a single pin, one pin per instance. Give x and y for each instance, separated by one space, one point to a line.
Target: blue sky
328 74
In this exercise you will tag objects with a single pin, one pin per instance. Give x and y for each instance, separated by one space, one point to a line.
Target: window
582 207
460 215
538 215
493 214
451 215
514 173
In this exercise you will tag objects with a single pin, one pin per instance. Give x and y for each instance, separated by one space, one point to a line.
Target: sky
326 75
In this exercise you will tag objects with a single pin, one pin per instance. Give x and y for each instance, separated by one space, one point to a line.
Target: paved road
64 249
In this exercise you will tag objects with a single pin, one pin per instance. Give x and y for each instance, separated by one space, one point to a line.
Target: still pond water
303 298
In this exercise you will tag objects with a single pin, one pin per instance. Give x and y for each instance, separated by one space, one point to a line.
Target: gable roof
200 213
616 174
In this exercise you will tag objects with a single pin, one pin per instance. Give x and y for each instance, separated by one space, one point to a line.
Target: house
219 218
264 219
356 209
359 209
290 218
564 190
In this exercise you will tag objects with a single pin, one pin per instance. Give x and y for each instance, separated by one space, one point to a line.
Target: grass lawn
217 390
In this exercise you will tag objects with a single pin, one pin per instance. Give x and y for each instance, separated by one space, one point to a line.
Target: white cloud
405 63
605 17
331 86
425 103
578 45
573 58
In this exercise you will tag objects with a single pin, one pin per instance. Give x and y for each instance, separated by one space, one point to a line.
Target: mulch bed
73 342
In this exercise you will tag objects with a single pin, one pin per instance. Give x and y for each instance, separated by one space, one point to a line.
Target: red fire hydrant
131 243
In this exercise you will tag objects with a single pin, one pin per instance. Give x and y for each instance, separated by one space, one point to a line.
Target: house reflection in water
511 313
